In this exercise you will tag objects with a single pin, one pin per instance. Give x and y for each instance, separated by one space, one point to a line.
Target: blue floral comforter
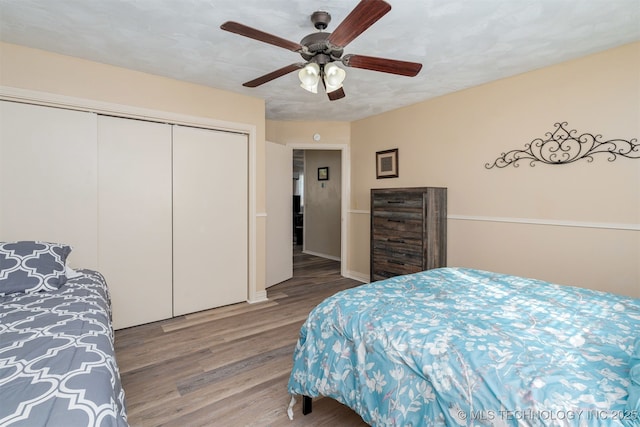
465 347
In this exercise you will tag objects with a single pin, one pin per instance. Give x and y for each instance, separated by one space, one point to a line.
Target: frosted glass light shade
309 77
333 77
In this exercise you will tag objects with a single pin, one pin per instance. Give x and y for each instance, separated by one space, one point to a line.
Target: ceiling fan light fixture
311 88
320 49
333 77
309 77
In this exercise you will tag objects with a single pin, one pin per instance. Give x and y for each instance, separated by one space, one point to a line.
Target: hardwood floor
229 366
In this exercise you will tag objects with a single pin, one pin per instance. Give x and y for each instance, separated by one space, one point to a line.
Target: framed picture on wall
387 163
323 173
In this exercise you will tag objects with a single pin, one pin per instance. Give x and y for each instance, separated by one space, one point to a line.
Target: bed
57 360
456 346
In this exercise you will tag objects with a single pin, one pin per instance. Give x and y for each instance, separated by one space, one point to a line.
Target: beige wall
284 132
443 142
322 203
572 224
37 70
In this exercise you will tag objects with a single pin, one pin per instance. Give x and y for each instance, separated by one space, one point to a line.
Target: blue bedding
456 346
57 361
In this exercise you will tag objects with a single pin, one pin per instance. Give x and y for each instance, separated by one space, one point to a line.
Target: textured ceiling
461 43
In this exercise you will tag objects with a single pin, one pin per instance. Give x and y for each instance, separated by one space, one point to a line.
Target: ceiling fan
321 50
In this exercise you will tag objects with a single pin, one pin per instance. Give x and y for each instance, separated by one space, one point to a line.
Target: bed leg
306 405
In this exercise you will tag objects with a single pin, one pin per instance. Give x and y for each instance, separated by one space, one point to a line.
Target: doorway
317 202
345 174
279 202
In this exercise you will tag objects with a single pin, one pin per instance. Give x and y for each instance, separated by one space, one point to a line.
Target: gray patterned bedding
57 360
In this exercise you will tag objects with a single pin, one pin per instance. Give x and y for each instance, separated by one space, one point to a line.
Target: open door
279 239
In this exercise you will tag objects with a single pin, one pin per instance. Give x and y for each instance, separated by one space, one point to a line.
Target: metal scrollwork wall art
562 146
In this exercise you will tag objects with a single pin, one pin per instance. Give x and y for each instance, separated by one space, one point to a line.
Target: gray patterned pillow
30 266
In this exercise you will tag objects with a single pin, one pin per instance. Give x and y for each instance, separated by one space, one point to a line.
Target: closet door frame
126 111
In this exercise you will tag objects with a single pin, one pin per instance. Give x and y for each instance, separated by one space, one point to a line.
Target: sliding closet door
48 178
210 217
134 226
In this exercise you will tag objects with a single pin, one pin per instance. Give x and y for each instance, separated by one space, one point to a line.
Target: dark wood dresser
408 230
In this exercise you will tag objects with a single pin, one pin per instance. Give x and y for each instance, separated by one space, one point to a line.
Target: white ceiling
461 43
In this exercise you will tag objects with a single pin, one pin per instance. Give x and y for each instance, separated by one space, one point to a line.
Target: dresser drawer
398 247
407 238
399 232
388 268
397 258
398 201
385 223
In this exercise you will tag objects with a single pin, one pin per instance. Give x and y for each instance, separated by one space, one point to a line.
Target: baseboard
261 296
331 257
357 276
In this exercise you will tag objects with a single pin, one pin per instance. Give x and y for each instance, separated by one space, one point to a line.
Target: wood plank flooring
229 366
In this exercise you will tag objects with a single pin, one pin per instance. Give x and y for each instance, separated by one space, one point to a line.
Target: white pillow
71 273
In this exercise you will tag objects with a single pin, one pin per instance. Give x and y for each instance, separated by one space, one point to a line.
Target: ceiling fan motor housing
318 44
320 19
318 49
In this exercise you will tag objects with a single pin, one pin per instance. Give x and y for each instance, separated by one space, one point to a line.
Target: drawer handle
395 220
395 201
391 261
395 240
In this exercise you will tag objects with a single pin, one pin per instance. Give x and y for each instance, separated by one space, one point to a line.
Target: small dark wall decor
387 164
323 173
563 146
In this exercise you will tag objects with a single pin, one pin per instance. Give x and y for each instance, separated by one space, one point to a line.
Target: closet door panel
48 178
135 218
210 218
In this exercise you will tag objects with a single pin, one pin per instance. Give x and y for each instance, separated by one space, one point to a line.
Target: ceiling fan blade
274 75
252 33
336 94
364 15
392 66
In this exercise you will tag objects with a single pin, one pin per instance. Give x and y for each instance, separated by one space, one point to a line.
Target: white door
210 219
134 221
279 213
48 178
